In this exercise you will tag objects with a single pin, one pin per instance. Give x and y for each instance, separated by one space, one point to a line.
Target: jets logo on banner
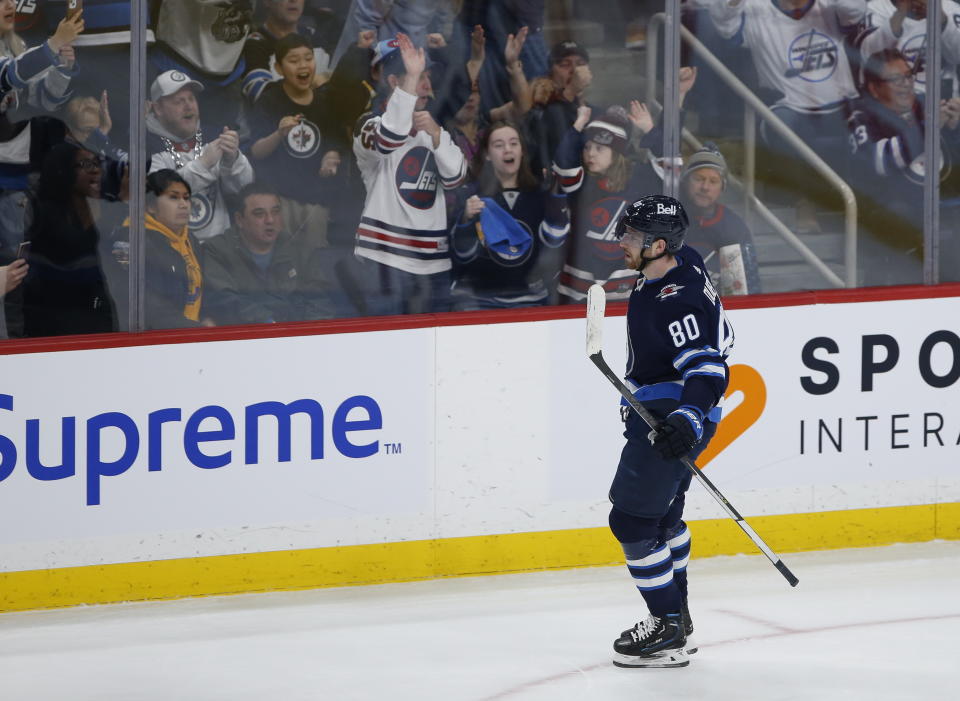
670 290
603 225
417 178
303 140
812 57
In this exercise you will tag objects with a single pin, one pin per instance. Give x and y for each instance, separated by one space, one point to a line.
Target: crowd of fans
369 157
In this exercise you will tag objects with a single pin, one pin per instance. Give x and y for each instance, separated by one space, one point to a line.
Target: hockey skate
691 645
655 642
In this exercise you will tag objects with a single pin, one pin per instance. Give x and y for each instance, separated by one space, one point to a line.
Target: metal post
138 154
671 98
749 162
931 148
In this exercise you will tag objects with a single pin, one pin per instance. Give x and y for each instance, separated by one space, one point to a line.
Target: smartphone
73 8
23 250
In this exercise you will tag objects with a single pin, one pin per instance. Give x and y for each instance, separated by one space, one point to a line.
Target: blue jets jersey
678 338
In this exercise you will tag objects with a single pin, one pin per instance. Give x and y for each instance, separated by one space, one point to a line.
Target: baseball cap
386 54
567 47
169 82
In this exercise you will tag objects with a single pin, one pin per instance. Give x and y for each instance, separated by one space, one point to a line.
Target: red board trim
419 321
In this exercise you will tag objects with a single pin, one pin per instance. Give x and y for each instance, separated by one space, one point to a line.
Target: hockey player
405 159
678 340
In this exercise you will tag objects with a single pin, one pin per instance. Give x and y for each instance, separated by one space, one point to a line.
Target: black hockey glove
680 431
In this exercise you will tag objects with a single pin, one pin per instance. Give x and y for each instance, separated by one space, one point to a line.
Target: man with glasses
887 139
902 25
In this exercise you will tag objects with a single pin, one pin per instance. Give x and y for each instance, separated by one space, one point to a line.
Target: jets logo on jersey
603 225
303 140
201 210
417 178
812 57
670 290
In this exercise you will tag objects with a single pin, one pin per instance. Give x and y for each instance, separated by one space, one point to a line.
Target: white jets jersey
798 54
404 222
877 35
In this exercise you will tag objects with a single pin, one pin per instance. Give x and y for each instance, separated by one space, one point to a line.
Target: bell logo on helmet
664 209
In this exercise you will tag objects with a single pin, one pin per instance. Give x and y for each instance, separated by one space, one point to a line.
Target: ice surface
875 623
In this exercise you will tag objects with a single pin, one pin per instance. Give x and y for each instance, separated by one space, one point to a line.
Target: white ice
871 624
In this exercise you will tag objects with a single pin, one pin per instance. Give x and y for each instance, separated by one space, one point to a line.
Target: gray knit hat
707 157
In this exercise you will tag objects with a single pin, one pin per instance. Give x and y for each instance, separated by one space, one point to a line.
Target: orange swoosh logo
746 380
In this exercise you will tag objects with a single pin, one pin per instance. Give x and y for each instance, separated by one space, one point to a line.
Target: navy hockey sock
679 544
653 575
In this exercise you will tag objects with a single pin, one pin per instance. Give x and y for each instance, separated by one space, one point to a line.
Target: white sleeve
397 119
951 34
238 175
451 164
727 16
850 12
194 172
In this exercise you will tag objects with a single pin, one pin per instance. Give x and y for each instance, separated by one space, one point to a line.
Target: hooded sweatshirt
208 215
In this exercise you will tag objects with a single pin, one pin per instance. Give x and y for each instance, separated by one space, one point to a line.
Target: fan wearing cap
504 225
175 140
717 232
205 39
571 76
593 168
406 160
678 339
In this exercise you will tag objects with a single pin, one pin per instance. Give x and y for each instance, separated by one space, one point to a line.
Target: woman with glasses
66 291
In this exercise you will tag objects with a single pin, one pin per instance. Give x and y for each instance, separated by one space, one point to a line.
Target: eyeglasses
90 165
899 79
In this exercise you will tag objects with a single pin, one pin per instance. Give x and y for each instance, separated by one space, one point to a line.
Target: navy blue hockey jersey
678 338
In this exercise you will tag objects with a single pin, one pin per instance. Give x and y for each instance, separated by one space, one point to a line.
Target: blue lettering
282 412
68 451
155 420
193 436
8 451
96 467
342 425
220 426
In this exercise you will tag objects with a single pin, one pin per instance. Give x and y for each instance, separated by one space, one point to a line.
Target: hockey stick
596 305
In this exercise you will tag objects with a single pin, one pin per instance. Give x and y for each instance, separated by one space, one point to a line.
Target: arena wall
167 465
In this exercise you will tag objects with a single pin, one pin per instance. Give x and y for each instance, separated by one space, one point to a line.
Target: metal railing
755 106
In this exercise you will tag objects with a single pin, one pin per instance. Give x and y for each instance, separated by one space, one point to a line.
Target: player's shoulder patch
671 289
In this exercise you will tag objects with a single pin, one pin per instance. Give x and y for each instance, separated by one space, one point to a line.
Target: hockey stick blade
596 309
596 306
